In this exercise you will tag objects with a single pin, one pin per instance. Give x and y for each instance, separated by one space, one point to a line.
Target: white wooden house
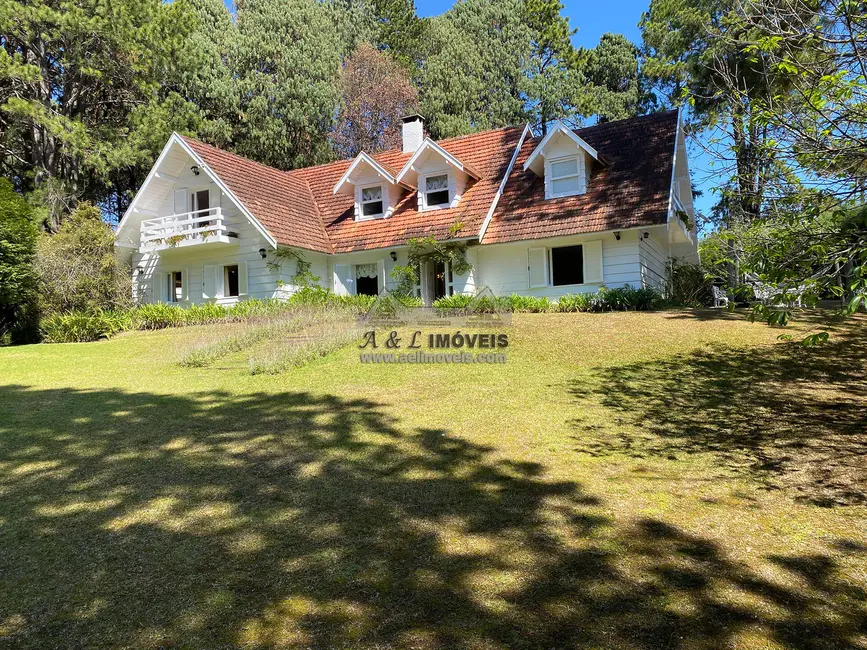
609 204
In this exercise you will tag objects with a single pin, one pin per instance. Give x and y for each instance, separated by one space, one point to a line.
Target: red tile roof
281 203
300 209
630 191
487 153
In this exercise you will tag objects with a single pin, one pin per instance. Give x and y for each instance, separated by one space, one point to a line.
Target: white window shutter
209 287
213 196
593 261
185 283
424 282
242 279
342 279
219 281
537 267
162 280
182 197
382 277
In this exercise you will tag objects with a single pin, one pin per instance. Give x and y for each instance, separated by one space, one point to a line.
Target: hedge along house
610 204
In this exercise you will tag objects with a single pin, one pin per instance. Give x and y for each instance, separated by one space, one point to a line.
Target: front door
367 279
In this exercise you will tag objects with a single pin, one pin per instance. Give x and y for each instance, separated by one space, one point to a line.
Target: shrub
645 299
530 304
205 314
405 278
455 302
158 316
688 284
78 268
574 302
76 327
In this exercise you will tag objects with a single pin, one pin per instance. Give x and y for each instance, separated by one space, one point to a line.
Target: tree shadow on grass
789 416
301 520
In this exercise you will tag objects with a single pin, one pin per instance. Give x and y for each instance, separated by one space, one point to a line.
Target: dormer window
564 160
440 177
371 202
565 180
437 190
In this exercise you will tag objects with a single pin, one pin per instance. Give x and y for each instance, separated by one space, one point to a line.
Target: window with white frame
564 177
371 202
436 190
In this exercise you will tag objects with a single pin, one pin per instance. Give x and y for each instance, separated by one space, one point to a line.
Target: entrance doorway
438 281
366 280
367 286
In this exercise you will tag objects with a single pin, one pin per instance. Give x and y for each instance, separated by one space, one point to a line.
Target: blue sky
592 19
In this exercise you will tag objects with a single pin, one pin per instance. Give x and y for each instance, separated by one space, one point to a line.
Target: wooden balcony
202 228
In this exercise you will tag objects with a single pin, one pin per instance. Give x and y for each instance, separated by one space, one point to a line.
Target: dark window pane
440 197
567 265
374 207
232 281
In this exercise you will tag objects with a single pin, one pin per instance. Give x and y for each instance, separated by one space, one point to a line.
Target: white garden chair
764 293
720 299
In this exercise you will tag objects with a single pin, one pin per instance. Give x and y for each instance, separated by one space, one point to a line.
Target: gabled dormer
374 187
440 177
564 160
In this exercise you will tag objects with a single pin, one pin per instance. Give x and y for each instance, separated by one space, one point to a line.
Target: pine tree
555 79
616 87
286 61
71 75
474 76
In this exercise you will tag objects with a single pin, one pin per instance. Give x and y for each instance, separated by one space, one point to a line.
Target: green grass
627 480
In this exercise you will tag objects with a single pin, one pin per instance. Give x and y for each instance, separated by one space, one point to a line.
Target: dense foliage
78 267
18 289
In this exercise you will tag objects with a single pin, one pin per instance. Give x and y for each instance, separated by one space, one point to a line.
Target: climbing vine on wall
303 276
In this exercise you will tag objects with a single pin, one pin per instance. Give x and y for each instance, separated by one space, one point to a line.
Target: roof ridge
632 118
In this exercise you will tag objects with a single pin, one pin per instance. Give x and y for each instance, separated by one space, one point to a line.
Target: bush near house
76 326
619 299
78 268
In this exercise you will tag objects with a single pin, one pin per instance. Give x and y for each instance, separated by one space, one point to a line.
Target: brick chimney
413 132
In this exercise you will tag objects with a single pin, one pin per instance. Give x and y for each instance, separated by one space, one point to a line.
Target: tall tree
206 79
616 87
474 76
689 63
287 62
554 76
70 76
376 92
399 31
18 280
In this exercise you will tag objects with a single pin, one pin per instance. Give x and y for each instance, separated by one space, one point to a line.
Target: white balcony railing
189 228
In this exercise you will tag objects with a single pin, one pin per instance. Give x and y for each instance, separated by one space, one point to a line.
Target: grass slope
668 480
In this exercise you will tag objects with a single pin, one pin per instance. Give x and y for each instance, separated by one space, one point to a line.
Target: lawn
666 480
